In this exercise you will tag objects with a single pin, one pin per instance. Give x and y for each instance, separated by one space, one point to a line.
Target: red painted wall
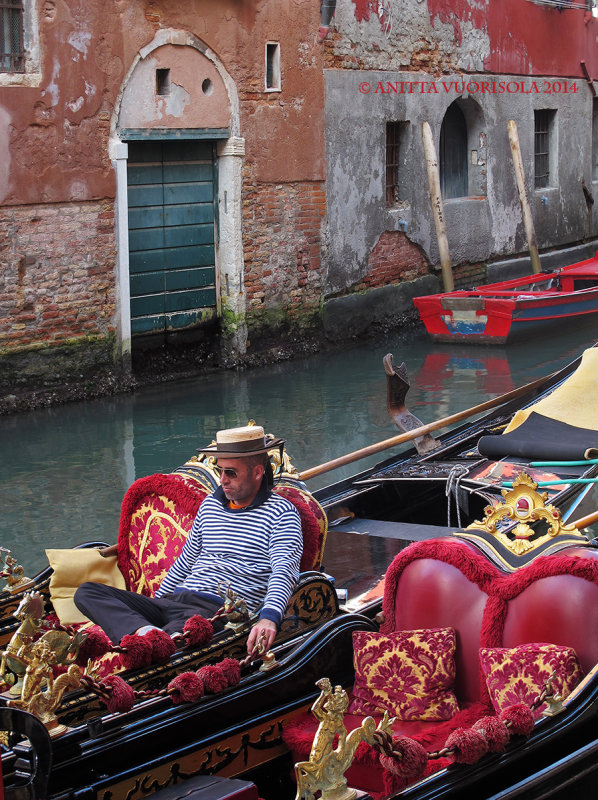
527 39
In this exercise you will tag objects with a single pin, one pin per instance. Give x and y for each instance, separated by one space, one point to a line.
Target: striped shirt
256 549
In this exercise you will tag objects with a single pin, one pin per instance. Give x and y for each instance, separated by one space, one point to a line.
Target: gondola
422 498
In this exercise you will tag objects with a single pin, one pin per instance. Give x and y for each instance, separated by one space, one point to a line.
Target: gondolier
243 535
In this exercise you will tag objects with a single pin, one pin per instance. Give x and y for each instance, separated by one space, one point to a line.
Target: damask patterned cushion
518 674
410 674
156 515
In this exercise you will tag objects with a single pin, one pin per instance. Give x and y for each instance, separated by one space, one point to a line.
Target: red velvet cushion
410 674
519 674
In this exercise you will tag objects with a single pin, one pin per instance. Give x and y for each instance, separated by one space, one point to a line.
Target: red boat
500 311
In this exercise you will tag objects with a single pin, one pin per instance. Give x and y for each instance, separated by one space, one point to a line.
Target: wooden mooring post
526 211
437 207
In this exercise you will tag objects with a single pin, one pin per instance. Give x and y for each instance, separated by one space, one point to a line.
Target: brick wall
282 227
466 276
394 258
56 273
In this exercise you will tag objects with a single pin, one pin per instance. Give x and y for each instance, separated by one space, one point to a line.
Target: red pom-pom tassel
162 645
138 651
95 646
213 678
231 669
411 761
469 745
198 630
186 688
519 718
122 696
494 731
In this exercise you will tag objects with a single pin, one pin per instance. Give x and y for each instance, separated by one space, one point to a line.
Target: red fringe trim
309 526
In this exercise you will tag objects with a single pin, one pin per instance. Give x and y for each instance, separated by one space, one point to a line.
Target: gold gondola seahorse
326 767
30 611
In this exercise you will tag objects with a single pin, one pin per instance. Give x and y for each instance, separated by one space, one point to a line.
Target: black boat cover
540 437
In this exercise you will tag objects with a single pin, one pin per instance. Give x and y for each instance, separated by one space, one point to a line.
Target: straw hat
249 440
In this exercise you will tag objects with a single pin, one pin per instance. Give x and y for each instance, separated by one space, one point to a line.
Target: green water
64 470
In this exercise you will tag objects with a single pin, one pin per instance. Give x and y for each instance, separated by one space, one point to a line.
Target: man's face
240 480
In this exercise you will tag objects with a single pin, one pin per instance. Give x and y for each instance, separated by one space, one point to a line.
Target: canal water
64 470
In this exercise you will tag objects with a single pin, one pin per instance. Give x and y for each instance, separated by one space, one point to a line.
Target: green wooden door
171 234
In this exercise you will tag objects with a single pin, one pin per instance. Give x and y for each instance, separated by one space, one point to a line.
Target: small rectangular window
396 133
543 135
272 67
163 81
12 50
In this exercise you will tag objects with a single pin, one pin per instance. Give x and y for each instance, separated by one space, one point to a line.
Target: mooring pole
526 211
437 207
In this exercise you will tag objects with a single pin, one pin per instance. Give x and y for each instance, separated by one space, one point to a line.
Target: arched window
453 153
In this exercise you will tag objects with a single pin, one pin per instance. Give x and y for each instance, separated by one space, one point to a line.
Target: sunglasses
228 471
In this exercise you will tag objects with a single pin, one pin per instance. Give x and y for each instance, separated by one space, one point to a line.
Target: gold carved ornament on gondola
325 769
13 573
28 663
524 505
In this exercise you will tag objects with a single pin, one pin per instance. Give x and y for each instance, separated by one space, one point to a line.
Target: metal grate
542 125
12 51
395 138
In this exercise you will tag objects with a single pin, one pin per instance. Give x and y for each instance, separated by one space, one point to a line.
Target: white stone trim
230 264
118 152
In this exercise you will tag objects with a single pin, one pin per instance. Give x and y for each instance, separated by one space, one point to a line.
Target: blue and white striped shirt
256 549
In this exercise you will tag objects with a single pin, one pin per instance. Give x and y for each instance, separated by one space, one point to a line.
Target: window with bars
396 134
543 124
12 49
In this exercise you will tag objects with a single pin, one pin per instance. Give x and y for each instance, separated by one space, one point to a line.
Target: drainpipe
326 13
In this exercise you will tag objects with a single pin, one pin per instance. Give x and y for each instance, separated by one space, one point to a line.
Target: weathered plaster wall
437 36
358 105
197 95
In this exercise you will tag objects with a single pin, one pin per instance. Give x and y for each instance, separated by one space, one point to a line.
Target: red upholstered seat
448 583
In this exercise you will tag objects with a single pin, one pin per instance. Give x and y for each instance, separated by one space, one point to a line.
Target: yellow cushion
71 569
569 401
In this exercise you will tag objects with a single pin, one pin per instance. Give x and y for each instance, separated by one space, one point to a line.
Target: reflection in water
65 470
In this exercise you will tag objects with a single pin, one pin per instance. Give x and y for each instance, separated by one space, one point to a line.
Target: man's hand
264 631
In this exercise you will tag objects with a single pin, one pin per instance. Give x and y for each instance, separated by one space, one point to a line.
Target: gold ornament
326 767
13 573
524 505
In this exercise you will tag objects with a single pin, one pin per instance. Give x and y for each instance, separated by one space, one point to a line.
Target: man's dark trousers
118 611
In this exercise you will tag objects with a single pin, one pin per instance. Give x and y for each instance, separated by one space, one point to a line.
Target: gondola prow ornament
326 767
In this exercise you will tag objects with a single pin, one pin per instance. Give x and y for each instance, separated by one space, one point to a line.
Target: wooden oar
349 458
583 522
